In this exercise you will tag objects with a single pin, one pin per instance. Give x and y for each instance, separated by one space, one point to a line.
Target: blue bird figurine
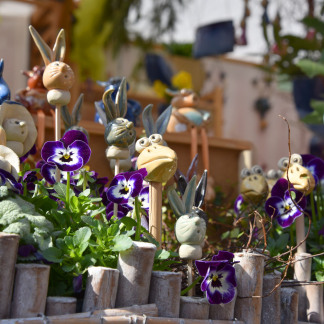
4 88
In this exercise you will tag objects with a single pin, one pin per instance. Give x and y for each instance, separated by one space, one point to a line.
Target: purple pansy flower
126 185
281 206
220 281
26 250
48 171
315 165
121 211
71 153
143 198
6 178
77 284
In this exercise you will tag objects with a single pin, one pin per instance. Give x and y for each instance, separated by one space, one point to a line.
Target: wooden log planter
133 293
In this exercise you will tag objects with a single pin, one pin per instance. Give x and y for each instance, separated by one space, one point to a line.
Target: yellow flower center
66 156
215 277
287 207
126 189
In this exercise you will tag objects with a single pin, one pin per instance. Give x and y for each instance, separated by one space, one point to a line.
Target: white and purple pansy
220 281
6 178
70 153
126 185
48 172
285 204
143 199
122 210
315 165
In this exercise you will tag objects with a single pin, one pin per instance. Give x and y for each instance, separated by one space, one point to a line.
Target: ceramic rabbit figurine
190 228
119 132
4 88
58 76
71 120
159 160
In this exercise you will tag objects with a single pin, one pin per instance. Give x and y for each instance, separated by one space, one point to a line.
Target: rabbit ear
189 196
66 117
176 203
201 190
101 113
102 83
1 67
192 170
121 99
163 121
44 49
76 112
110 107
59 47
182 185
148 122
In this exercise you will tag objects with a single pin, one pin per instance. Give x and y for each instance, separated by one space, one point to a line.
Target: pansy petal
135 182
51 148
143 197
238 204
280 187
48 171
72 163
202 266
223 255
119 193
73 135
116 179
272 206
81 149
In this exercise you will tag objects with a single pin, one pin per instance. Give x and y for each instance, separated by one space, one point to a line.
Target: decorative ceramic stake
254 187
160 163
17 127
190 228
185 116
9 161
194 308
4 88
60 306
289 306
58 77
302 180
119 132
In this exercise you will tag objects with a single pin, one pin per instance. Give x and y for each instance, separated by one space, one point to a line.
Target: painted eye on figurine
141 144
256 169
245 173
119 121
283 163
296 158
156 139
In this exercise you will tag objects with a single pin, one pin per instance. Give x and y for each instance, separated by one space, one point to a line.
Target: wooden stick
194 142
190 270
205 148
155 210
40 128
300 234
116 172
57 123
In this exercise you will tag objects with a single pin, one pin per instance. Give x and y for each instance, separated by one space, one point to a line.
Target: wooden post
249 274
135 267
194 308
155 208
289 306
60 305
30 290
101 289
315 305
223 311
8 255
165 289
194 142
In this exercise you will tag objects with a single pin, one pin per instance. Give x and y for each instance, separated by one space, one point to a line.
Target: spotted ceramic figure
17 128
119 132
254 187
299 176
58 76
190 228
159 160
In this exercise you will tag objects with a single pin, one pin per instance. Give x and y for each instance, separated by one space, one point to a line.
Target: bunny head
57 75
159 160
190 228
119 132
183 98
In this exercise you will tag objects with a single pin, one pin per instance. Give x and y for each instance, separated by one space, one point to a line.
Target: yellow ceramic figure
254 187
299 176
159 160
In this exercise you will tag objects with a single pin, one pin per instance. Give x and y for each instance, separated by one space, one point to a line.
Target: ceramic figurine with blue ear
71 120
133 107
190 228
119 132
4 88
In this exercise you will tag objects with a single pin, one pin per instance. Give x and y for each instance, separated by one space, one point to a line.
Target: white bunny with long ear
58 77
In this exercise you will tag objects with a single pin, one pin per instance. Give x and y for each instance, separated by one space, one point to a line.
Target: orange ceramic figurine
58 77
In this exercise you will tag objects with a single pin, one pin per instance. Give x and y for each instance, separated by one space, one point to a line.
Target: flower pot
194 308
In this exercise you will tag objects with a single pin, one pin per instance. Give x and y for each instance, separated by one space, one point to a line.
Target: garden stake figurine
4 89
190 228
58 77
160 163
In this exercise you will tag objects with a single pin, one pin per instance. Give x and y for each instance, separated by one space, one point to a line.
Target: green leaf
60 189
113 230
162 254
311 68
313 118
89 221
319 275
97 211
74 203
225 235
128 222
68 267
53 254
282 241
82 235
82 247
69 242
85 193
122 243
